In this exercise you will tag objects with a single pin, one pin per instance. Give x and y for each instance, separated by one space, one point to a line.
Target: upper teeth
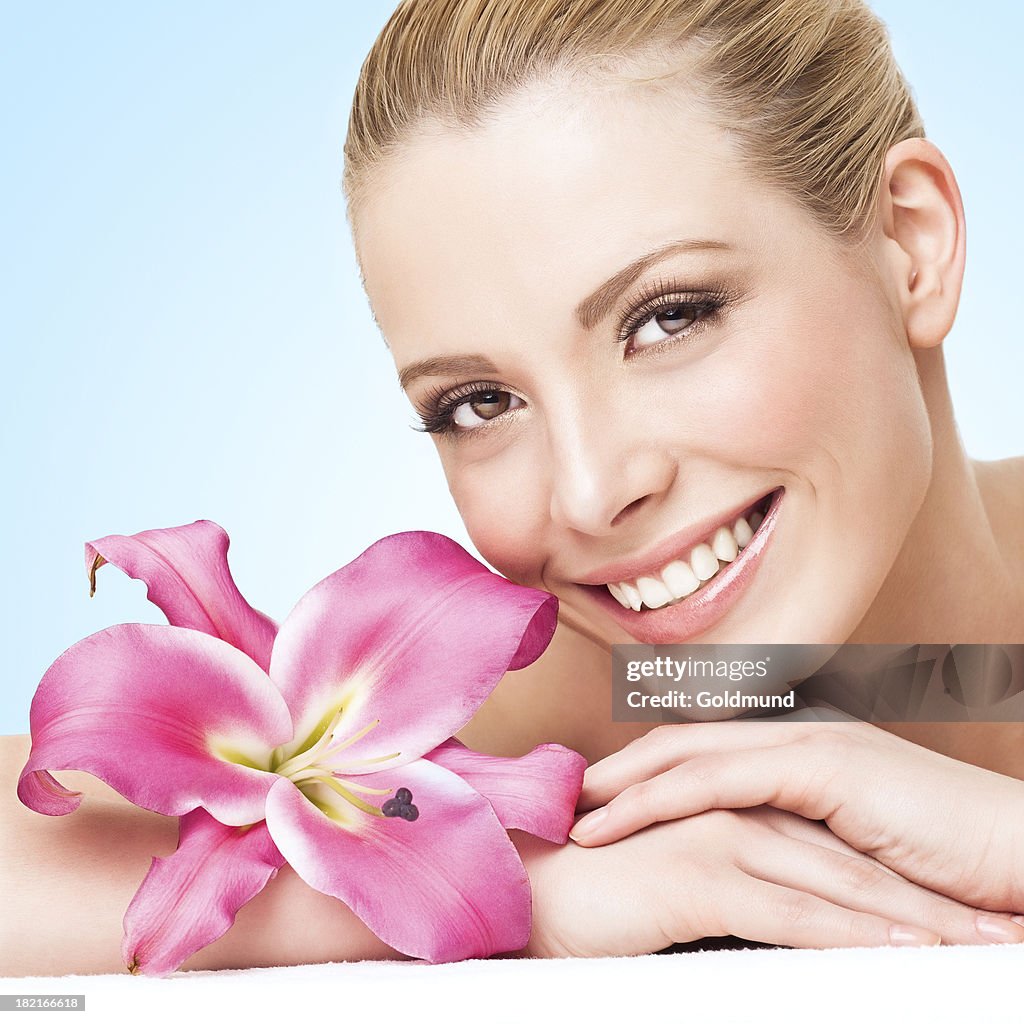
683 576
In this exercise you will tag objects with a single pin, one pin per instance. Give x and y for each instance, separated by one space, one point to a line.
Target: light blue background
183 332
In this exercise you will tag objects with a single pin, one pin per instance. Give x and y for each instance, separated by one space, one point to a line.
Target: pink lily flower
325 743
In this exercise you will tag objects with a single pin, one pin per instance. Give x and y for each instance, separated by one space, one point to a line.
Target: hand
760 874
952 827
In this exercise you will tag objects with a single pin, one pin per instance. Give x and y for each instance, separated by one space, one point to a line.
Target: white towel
970 984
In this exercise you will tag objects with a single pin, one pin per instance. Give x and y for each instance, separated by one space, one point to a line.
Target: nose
603 475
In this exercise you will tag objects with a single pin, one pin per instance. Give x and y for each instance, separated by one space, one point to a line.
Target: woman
668 283
647 302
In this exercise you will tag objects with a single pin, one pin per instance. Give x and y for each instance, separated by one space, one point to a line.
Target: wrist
537 856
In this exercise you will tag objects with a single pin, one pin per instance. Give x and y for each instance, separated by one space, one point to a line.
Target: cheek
501 504
827 393
833 404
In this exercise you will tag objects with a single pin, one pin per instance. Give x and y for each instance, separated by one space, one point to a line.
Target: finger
807 831
860 883
767 912
668 745
819 833
791 777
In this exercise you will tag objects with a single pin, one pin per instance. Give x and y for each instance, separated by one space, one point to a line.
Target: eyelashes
698 307
661 296
440 404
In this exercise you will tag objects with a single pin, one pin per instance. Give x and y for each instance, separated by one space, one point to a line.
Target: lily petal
447 886
189 899
416 633
171 718
185 569
536 793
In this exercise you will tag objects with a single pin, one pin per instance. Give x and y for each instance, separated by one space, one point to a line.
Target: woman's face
625 343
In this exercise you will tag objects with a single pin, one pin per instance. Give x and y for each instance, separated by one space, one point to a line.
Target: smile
687 573
682 587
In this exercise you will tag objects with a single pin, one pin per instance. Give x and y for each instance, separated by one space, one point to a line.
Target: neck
958 577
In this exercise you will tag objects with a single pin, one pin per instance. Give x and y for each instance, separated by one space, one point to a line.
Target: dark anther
400 806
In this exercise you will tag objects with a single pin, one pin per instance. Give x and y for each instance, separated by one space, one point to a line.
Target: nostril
632 507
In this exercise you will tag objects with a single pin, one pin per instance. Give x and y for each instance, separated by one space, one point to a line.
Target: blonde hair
810 88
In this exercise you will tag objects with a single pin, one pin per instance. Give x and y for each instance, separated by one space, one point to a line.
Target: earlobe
922 217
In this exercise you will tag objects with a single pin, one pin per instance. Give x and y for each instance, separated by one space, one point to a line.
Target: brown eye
664 323
489 404
483 406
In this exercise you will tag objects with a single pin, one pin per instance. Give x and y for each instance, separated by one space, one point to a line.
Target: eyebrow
596 306
446 366
591 311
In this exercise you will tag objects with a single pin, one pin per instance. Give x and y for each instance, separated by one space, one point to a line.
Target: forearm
66 882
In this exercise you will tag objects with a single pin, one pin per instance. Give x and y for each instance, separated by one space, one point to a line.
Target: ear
922 218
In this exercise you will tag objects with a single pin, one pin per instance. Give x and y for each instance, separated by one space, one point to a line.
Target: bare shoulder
1002 489
1002 480
1012 467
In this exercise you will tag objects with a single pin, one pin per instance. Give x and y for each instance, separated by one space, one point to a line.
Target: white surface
949 983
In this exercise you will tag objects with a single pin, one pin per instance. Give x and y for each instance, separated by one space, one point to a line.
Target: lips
688 572
686 602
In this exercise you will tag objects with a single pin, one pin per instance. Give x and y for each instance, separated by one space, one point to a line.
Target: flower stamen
343 792
333 748
335 765
318 771
323 745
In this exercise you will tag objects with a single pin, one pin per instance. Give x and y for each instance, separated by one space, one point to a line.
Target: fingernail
908 935
998 929
588 824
